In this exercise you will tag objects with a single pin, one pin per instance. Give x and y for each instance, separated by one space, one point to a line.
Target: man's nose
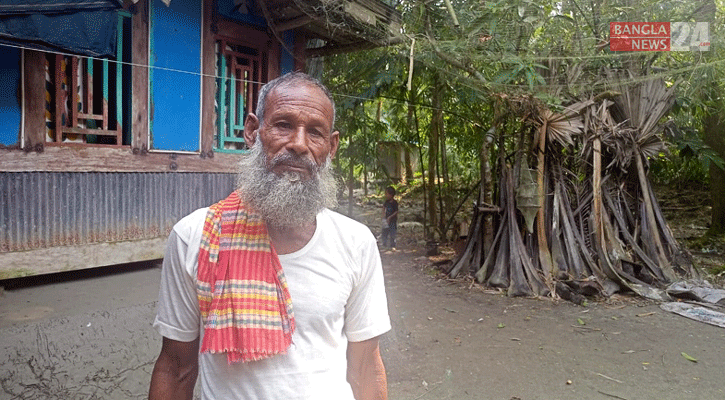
298 141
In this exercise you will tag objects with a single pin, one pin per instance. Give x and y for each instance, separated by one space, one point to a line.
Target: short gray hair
285 80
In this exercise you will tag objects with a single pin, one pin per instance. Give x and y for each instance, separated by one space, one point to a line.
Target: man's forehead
306 97
300 89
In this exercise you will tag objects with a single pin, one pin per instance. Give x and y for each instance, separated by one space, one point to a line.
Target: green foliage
554 51
688 161
521 72
689 145
678 170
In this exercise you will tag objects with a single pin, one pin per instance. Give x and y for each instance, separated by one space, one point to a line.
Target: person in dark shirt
390 218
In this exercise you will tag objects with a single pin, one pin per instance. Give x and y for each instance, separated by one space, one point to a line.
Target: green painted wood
105 79
232 103
119 74
222 98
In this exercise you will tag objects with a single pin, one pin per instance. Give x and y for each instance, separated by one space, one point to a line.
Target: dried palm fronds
598 229
563 126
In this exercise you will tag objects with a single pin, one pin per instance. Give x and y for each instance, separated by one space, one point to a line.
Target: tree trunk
444 153
486 196
714 134
433 157
445 200
365 179
350 186
408 165
440 144
413 123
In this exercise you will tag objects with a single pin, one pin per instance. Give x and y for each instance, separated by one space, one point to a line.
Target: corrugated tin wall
48 209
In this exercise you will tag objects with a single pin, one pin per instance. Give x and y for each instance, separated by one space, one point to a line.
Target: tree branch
448 58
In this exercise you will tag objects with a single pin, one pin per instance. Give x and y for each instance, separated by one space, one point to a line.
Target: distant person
269 294
390 218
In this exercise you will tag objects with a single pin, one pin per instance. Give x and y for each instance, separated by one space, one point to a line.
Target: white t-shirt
336 284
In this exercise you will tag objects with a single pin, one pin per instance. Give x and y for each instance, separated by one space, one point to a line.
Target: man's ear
334 143
251 126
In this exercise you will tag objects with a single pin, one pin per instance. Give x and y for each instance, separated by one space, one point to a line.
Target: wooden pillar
140 77
208 85
300 52
34 87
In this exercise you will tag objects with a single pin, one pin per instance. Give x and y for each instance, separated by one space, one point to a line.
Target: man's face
286 175
296 133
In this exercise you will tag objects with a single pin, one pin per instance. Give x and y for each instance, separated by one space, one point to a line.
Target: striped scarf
248 313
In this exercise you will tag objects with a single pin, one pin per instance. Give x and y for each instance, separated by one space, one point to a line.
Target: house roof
343 25
85 27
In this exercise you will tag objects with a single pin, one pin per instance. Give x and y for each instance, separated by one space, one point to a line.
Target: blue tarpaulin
84 27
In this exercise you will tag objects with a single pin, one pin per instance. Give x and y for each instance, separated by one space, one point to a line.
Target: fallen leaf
646 314
689 357
501 325
580 321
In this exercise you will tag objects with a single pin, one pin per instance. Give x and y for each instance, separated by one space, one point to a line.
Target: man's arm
365 370
174 374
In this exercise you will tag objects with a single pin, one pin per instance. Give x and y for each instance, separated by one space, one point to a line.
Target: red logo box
639 36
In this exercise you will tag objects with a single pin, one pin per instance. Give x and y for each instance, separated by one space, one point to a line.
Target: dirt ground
451 340
91 338
87 335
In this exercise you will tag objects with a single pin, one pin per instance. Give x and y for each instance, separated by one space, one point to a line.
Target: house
117 117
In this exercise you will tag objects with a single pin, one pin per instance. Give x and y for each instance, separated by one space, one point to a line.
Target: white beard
288 200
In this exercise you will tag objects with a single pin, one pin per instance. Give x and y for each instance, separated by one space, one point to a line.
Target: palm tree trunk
547 264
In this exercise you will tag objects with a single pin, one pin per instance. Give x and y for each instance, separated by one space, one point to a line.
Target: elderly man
268 294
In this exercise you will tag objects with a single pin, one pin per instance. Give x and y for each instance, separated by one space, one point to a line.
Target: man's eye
283 125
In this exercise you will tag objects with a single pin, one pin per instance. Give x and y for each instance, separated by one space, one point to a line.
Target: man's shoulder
192 223
346 226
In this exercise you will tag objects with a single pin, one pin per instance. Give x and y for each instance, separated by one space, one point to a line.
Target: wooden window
239 72
87 99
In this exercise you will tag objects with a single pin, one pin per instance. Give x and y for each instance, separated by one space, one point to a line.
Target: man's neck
287 240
